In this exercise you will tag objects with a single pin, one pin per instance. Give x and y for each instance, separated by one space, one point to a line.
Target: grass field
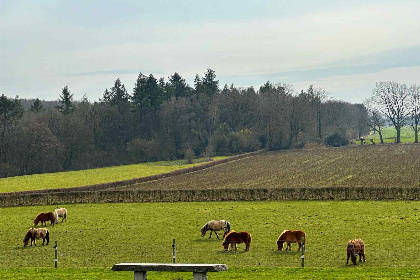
389 135
366 166
91 176
97 236
233 273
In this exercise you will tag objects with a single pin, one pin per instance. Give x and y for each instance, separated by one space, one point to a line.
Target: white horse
215 226
60 212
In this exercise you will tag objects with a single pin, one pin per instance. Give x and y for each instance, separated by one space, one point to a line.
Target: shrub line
240 194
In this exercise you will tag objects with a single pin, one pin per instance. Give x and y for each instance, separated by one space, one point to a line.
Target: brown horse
43 218
355 247
215 226
234 238
291 236
36 233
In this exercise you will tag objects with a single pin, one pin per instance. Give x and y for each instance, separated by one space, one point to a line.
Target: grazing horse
43 218
36 233
216 226
291 236
60 212
355 247
234 238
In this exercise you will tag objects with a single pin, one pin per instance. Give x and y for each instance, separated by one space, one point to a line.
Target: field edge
347 272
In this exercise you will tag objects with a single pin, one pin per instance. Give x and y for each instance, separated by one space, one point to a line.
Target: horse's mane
204 227
284 231
28 235
229 234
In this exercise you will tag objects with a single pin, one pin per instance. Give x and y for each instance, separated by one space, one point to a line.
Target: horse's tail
47 236
227 226
52 217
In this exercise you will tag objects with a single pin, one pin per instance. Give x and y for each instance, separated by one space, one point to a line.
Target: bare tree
390 99
376 120
414 94
318 95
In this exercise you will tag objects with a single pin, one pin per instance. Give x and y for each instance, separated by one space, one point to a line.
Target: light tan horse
215 226
60 212
36 233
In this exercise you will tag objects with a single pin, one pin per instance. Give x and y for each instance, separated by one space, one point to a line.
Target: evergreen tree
66 100
11 111
210 84
37 106
140 98
177 86
117 95
154 93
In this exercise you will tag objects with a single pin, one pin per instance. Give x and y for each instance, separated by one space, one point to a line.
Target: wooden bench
140 269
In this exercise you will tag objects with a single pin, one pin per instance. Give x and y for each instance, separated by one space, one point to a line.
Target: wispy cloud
115 72
260 42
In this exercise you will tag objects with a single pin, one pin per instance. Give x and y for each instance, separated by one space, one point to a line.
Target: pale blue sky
343 47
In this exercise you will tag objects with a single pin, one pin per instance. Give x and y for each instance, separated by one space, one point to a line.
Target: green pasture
233 273
389 135
97 236
91 176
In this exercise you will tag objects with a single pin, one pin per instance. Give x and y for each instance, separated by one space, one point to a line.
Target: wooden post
173 251
56 254
302 258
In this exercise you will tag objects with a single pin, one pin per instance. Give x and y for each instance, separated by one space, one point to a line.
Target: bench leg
140 275
200 275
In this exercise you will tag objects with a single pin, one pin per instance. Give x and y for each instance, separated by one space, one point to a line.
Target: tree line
167 120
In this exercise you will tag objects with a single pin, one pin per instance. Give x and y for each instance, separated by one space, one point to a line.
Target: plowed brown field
366 166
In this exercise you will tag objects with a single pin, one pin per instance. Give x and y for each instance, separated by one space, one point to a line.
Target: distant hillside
364 166
26 103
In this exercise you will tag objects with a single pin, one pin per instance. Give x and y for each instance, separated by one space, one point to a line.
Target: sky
343 47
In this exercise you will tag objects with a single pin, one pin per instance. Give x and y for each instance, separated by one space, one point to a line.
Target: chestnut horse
36 233
234 238
355 247
215 226
44 217
291 236
60 212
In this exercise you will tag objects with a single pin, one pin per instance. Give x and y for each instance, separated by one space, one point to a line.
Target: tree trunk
398 128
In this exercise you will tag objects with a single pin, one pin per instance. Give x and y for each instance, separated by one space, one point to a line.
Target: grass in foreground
100 235
232 273
91 176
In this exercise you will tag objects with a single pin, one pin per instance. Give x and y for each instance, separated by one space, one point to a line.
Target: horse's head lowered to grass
27 237
215 226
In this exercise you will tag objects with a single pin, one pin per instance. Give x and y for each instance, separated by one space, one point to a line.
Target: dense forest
165 120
